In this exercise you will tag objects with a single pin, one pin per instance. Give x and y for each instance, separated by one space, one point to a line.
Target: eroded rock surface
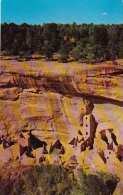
62 115
68 79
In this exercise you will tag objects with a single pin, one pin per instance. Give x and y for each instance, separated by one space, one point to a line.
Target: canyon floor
62 113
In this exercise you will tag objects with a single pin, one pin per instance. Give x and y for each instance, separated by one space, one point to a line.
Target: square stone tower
89 126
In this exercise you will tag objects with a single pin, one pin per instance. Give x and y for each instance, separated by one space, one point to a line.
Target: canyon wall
62 113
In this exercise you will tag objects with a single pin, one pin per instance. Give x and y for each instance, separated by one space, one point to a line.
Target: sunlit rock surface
62 113
69 79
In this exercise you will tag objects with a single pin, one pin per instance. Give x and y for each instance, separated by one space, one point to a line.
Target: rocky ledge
68 79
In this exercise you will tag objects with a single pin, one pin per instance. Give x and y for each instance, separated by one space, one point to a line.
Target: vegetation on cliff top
84 43
55 180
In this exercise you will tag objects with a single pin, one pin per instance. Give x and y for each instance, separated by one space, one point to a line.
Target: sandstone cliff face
68 79
62 113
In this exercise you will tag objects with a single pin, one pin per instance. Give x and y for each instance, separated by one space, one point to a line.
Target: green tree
51 39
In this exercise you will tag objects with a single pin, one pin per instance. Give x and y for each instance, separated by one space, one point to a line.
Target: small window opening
86 133
86 125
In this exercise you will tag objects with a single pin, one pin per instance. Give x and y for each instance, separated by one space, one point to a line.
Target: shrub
101 183
63 58
5 53
55 180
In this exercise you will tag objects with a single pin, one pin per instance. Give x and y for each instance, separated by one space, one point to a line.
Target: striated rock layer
69 79
62 113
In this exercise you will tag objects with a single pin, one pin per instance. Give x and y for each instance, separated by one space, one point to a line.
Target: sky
62 11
